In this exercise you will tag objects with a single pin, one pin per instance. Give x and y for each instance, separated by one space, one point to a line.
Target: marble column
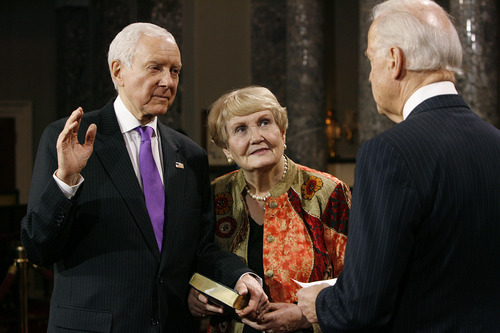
288 58
166 14
305 93
370 122
269 46
478 24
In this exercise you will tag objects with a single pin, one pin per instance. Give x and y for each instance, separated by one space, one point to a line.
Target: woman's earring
229 159
284 145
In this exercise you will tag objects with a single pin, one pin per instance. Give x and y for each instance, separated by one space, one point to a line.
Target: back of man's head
423 30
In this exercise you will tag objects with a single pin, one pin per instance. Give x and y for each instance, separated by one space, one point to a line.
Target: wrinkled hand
72 156
258 302
199 305
281 317
307 301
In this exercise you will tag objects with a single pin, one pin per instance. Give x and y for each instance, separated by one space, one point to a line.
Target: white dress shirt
128 123
426 92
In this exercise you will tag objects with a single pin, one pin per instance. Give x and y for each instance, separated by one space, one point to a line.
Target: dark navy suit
424 238
109 274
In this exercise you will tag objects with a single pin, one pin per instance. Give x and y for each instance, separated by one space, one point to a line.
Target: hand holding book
247 299
218 293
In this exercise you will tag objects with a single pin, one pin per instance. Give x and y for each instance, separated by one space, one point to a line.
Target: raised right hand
72 156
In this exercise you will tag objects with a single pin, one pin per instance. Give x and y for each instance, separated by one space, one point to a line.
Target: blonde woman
287 221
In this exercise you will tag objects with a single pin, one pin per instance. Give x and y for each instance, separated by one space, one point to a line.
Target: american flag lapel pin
179 165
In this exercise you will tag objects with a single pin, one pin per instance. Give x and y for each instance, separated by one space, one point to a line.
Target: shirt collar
426 92
126 119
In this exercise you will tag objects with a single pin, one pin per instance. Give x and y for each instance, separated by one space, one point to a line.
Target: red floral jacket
305 227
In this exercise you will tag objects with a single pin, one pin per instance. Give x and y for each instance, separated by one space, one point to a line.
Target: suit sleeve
381 238
221 266
45 227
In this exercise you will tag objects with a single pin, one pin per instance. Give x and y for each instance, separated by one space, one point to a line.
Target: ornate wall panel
84 31
73 54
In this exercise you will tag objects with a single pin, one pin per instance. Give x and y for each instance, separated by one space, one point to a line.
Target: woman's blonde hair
242 102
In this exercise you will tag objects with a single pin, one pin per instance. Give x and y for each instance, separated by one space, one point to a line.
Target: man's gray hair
429 42
124 44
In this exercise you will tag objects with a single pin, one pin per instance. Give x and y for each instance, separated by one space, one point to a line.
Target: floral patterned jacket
305 228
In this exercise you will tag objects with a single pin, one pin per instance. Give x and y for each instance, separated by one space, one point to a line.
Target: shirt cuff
68 191
258 278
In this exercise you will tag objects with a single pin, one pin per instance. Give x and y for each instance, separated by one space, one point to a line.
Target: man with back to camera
122 258
423 250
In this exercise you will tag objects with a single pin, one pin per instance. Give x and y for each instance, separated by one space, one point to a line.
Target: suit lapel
174 177
111 151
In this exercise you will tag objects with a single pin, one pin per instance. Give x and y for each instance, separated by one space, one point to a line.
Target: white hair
427 38
124 44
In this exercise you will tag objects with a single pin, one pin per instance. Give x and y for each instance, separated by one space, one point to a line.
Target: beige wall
216 55
343 171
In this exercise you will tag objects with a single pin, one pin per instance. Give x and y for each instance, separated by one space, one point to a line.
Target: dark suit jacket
109 273
423 253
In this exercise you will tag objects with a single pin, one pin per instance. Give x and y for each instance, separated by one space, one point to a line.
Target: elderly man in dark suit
423 253
123 254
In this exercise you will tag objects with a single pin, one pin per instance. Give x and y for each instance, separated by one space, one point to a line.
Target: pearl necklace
264 198
256 197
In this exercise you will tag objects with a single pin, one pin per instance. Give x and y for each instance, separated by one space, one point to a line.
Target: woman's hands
280 317
277 317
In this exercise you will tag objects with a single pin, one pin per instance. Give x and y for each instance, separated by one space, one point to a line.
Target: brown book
218 293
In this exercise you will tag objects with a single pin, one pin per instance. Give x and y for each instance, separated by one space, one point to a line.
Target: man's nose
166 80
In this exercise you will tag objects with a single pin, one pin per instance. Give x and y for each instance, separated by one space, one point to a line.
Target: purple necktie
151 182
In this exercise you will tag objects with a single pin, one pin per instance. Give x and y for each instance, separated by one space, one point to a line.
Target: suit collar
168 137
126 120
439 102
426 92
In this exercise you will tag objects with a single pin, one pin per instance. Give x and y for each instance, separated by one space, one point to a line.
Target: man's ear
397 62
116 69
